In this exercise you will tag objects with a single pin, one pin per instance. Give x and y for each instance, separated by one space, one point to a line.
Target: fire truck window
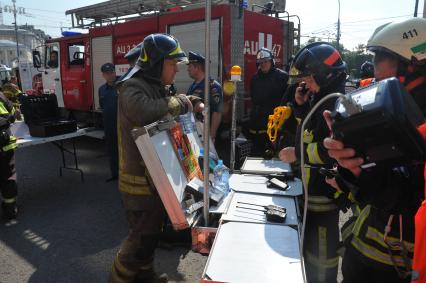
76 54
52 56
53 59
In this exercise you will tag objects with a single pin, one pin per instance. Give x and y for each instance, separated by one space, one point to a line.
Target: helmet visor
262 56
303 64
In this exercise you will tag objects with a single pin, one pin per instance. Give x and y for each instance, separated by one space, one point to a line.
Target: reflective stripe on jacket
369 240
7 112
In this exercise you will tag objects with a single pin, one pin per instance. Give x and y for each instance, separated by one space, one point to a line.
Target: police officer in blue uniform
196 69
108 103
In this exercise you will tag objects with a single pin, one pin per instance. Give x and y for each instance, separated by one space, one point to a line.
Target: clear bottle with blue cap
221 178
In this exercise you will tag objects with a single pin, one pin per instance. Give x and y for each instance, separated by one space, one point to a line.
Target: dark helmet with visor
156 48
319 59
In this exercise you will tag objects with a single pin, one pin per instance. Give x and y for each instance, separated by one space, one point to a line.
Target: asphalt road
69 231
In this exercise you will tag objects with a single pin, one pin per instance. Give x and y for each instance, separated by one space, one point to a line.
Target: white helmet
406 39
264 54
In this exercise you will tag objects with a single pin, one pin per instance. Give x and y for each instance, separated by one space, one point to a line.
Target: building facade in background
28 39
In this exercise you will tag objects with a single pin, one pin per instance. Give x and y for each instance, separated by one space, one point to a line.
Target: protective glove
179 105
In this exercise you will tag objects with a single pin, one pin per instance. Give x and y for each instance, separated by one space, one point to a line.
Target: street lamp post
338 28
16 31
416 7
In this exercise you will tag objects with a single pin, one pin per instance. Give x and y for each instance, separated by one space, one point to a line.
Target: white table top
249 252
21 132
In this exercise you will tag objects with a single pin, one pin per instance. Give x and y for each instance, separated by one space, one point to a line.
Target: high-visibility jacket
7 111
419 260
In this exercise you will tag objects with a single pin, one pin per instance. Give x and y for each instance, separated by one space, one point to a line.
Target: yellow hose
276 121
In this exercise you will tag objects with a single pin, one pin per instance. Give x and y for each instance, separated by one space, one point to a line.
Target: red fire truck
236 35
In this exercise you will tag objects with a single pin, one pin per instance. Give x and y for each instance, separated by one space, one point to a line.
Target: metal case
155 146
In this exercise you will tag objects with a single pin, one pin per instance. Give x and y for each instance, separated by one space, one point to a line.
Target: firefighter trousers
354 270
8 187
320 246
136 255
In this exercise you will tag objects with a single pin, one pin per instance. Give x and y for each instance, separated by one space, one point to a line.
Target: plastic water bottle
221 178
212 160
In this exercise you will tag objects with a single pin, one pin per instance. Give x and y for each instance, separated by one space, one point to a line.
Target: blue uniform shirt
216 98
108 102
108 98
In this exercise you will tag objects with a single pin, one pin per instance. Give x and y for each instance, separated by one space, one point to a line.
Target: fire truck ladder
106 12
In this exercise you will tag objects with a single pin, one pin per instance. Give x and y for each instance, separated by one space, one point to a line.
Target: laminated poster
184 152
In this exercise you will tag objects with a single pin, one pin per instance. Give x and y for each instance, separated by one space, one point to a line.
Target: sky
358 18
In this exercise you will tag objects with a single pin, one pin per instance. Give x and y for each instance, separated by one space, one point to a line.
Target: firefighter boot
10 210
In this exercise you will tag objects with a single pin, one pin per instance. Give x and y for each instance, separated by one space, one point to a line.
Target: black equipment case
41 114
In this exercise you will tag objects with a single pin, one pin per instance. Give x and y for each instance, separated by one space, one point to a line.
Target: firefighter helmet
319 59
367 70
405 39
134 53
264 54
156 48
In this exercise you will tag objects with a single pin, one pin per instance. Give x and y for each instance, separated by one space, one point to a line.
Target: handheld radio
380 122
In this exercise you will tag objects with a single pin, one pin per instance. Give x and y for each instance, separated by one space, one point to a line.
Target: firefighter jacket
287 133
142 100
7 117
388 198
266 91
321 194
